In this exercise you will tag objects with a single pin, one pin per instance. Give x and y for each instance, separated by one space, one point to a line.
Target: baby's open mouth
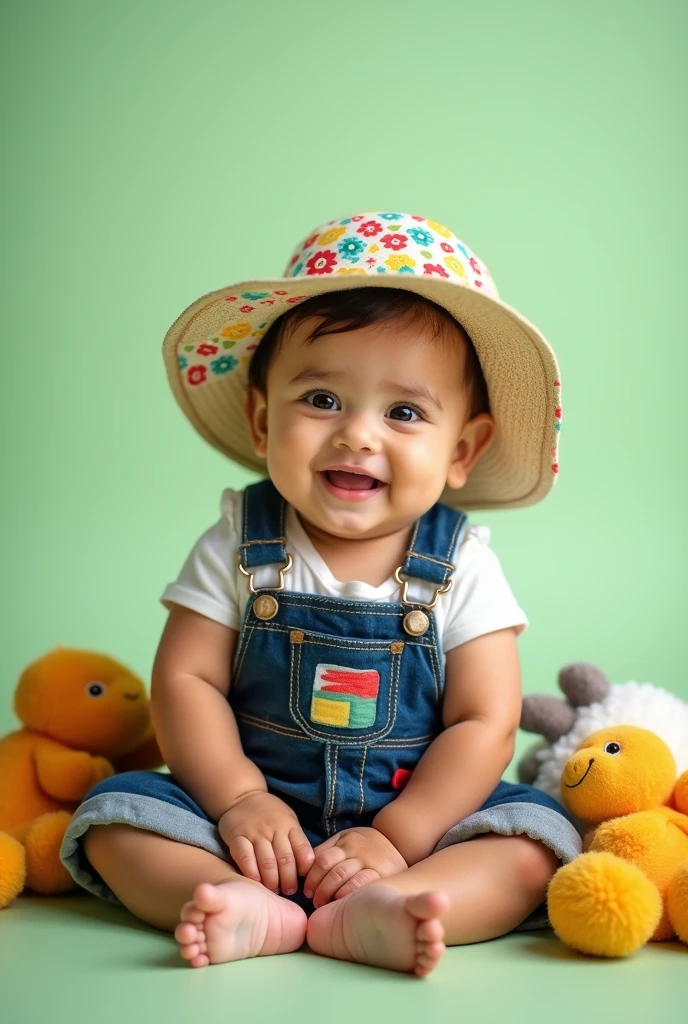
352 481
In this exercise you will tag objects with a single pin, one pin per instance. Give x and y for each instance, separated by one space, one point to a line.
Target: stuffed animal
592 703
85 717
632 883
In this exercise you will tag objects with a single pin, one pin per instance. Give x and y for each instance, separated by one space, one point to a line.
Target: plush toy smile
573 785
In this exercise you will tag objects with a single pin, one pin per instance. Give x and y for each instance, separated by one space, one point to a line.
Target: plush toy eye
95 689
612 748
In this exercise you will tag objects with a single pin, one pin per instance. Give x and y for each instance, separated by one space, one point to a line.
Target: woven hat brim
520 369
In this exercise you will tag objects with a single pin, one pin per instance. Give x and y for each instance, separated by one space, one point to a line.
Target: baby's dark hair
355 308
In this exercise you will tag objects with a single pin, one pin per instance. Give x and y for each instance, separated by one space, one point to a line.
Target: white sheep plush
592 703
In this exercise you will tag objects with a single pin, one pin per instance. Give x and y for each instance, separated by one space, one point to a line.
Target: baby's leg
470 892
224 916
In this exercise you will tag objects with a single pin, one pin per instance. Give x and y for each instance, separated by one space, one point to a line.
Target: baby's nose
358 432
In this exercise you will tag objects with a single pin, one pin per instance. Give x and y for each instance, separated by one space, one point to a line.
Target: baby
337 691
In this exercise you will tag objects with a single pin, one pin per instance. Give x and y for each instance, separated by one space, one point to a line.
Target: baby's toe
190 912
430 931
209 899
202 960
428 957
189 950
186 932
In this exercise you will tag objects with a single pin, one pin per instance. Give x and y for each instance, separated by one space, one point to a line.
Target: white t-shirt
211 583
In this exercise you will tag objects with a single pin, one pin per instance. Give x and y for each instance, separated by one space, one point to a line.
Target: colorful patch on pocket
344 696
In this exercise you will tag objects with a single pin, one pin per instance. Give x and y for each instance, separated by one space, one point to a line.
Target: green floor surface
75 959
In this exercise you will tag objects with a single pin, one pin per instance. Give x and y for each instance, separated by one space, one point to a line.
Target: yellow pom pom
604 906
677 902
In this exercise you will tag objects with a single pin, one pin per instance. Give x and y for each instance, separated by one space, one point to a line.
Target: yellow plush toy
631 886
85 717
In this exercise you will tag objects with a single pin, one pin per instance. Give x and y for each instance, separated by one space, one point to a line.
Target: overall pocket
343 691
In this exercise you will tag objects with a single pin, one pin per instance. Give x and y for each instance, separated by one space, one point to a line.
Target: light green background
156 151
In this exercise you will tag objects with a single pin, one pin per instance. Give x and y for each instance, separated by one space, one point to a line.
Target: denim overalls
336 701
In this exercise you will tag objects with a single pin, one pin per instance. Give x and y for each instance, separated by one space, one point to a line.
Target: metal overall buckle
265 605
416 622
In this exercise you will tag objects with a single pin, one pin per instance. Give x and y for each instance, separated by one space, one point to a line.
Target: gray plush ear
583 683
551 717
528 768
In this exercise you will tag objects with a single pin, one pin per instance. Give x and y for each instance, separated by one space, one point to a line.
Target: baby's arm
199 740
481 712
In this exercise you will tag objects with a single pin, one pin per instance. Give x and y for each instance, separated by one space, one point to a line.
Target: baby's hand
348 860
266 842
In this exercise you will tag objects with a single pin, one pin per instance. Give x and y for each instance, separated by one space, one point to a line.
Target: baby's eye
319 395
407 409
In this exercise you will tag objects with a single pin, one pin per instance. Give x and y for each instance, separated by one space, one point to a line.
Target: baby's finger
357 881
267 864
286 865
242 853
335 879
324 861
303 851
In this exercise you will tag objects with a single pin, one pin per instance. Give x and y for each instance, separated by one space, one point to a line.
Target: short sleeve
207 583
481 599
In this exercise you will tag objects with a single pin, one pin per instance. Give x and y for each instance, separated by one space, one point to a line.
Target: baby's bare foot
379 926
234 920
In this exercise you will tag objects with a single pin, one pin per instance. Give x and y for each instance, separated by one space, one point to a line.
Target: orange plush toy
85 717
632 884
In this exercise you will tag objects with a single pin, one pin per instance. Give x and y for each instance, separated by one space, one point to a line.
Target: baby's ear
256 412
476 437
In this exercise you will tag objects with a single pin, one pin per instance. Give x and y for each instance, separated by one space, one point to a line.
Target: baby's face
386 401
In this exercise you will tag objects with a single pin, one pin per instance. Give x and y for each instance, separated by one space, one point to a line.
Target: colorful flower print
224 364
331 236
351 248
183 362
456 265
446 247
206 350
395 242
236 331
396 262
420 236
197 375
435 268
254 296
297 270
309 241
475 266
322 262
439 228
391 216
353 270
370 228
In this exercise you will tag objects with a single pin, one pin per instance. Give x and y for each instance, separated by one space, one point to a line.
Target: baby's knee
102 841
536 862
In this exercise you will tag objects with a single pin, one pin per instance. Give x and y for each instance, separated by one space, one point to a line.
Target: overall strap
262 533
433 540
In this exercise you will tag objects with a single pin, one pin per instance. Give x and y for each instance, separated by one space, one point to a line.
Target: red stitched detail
400 778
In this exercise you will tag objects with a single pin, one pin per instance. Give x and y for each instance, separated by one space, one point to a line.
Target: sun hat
209 346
